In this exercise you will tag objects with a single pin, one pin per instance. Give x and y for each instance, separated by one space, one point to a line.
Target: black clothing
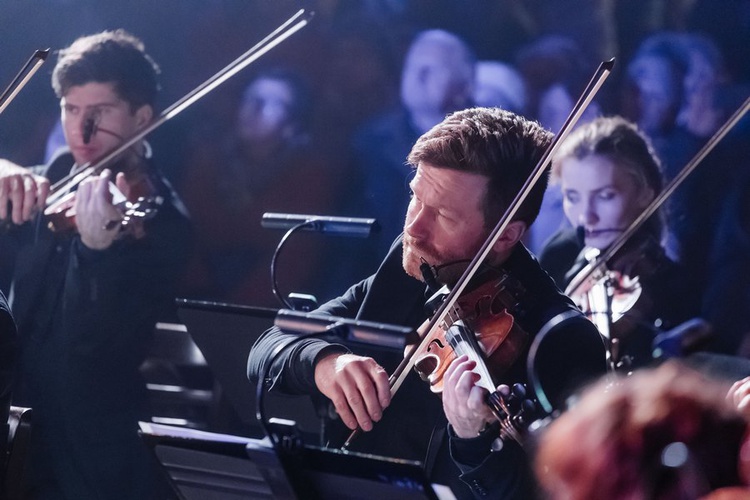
86 319
7 367
663 303
726 302
571 354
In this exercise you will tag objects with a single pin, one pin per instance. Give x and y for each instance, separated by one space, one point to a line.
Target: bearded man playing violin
87 296
468 169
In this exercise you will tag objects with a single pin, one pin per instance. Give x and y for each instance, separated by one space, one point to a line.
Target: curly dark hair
115 57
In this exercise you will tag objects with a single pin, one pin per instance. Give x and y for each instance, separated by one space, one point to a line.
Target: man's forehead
457 186
92 94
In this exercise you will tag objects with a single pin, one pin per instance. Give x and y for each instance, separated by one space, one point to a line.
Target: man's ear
143 115
513 233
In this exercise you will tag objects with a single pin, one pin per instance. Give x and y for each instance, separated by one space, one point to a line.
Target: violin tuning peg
503 390
528 406
519 391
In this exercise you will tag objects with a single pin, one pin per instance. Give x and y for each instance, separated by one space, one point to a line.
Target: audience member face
115 120
658 94
264 114
555 105
601 197
444 221
436 78
499 85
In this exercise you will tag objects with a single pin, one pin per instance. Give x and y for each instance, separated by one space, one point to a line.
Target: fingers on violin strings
30 196
740 394
17 195
101 187
458 366
5 197
43 188
83 195
122 184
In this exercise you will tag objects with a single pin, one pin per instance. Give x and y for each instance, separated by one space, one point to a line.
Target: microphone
429 276
581 235
683 339
337 226
355 331
89 128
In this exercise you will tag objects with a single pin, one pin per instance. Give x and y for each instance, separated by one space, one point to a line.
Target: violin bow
603 257
23 76
287 29
399 375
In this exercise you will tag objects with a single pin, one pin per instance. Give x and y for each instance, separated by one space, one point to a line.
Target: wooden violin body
483 312
142 202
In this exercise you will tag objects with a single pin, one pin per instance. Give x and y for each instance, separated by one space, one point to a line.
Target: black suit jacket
571 353
7 368
85 321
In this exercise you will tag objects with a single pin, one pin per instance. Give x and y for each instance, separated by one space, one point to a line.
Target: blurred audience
499 85
702 110
665 433
265 165
726 300
683 96
437 78
653 90
555 73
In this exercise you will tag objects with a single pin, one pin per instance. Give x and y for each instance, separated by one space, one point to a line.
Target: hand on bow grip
358 387
22 193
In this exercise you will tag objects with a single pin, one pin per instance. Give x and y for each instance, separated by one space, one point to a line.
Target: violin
483 307
604 298
604 293
144 201
482 327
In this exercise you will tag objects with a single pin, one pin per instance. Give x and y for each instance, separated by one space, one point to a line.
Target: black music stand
225 333
207 466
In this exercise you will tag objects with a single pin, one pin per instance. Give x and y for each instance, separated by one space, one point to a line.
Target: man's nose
415 224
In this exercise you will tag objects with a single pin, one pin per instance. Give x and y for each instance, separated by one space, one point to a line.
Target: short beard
414 256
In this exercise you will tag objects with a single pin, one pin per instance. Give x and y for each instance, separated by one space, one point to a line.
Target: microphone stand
340 226
274 260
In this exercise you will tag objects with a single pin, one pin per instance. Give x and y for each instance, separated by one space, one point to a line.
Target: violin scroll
514 410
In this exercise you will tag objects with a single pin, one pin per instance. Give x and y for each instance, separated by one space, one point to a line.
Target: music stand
225 333
207 466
